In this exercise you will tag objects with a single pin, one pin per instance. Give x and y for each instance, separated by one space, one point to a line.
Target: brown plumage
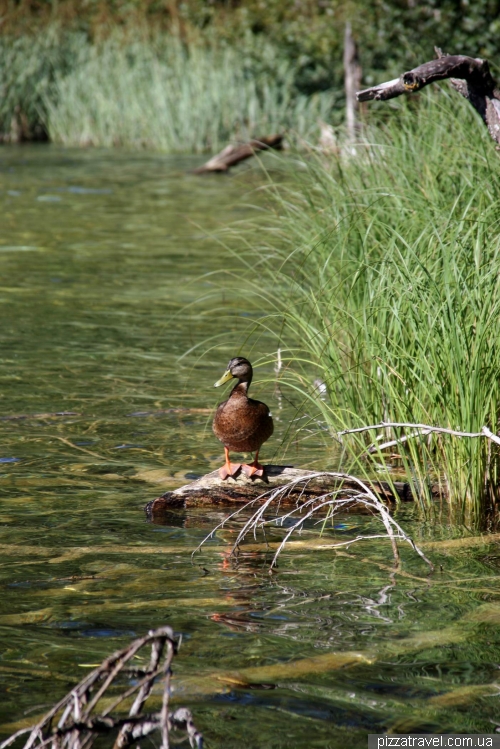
241 423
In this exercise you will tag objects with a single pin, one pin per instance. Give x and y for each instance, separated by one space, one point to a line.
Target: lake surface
117 318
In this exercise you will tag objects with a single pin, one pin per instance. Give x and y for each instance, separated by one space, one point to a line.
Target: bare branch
473 70
79 725
487 433
426 429
469 76
333 501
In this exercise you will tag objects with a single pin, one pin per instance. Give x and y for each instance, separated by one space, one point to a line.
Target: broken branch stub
469 76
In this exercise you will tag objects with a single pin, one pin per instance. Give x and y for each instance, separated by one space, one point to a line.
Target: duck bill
225 378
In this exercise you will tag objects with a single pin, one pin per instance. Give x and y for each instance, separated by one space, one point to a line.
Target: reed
151 91
386 283
28 65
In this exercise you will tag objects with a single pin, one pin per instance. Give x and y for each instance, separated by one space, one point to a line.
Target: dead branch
79 724
422 430
352 81
469 76
333 501
232 155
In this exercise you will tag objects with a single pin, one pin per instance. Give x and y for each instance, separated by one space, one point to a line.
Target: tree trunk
352 81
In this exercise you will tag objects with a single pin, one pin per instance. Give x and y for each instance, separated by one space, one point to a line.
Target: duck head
238 368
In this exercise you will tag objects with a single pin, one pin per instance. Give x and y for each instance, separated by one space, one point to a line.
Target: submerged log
469 76
232 155
211 490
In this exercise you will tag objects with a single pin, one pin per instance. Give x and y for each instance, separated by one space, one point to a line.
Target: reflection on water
105 262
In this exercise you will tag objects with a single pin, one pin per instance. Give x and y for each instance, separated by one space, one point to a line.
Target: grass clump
178 98
28 66
389 291
151 91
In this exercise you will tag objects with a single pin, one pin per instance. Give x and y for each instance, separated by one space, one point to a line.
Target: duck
241 423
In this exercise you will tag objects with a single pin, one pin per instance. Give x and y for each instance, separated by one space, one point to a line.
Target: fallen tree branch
232 155
426 429
469 76
78 725
333 501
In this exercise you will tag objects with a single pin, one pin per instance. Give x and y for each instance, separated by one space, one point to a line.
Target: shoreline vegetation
383 265
151 92
192 75
384 275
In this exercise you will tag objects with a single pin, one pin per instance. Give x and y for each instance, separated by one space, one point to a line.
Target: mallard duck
241 423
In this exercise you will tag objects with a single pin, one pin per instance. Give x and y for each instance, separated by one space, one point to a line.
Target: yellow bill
225 378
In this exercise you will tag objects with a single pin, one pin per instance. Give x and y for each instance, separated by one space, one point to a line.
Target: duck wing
243 425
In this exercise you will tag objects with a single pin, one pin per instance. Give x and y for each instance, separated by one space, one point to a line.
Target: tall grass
157 92
386 281
28 66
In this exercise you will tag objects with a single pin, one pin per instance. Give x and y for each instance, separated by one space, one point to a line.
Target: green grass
385 280
155 92
28 66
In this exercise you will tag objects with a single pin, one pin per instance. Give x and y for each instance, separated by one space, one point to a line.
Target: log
469 76
211 490
232 155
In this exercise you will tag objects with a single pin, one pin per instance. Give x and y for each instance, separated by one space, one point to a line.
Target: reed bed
155 92
384 277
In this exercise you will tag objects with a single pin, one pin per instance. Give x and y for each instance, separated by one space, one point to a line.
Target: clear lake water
115 324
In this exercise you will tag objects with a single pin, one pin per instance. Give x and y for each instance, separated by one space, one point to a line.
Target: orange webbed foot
252 469
229 469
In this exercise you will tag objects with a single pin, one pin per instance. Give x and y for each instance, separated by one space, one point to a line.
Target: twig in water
79 725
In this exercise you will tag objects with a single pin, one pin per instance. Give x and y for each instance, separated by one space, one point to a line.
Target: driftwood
339 493
75 723
469 76
421 429
232 155
211 490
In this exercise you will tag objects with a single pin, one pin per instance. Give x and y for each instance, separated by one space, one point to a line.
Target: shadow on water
103 288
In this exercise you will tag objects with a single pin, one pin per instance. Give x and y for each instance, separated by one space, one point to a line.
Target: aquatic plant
157 92
386 282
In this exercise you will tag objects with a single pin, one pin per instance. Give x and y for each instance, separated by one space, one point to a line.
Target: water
110 272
